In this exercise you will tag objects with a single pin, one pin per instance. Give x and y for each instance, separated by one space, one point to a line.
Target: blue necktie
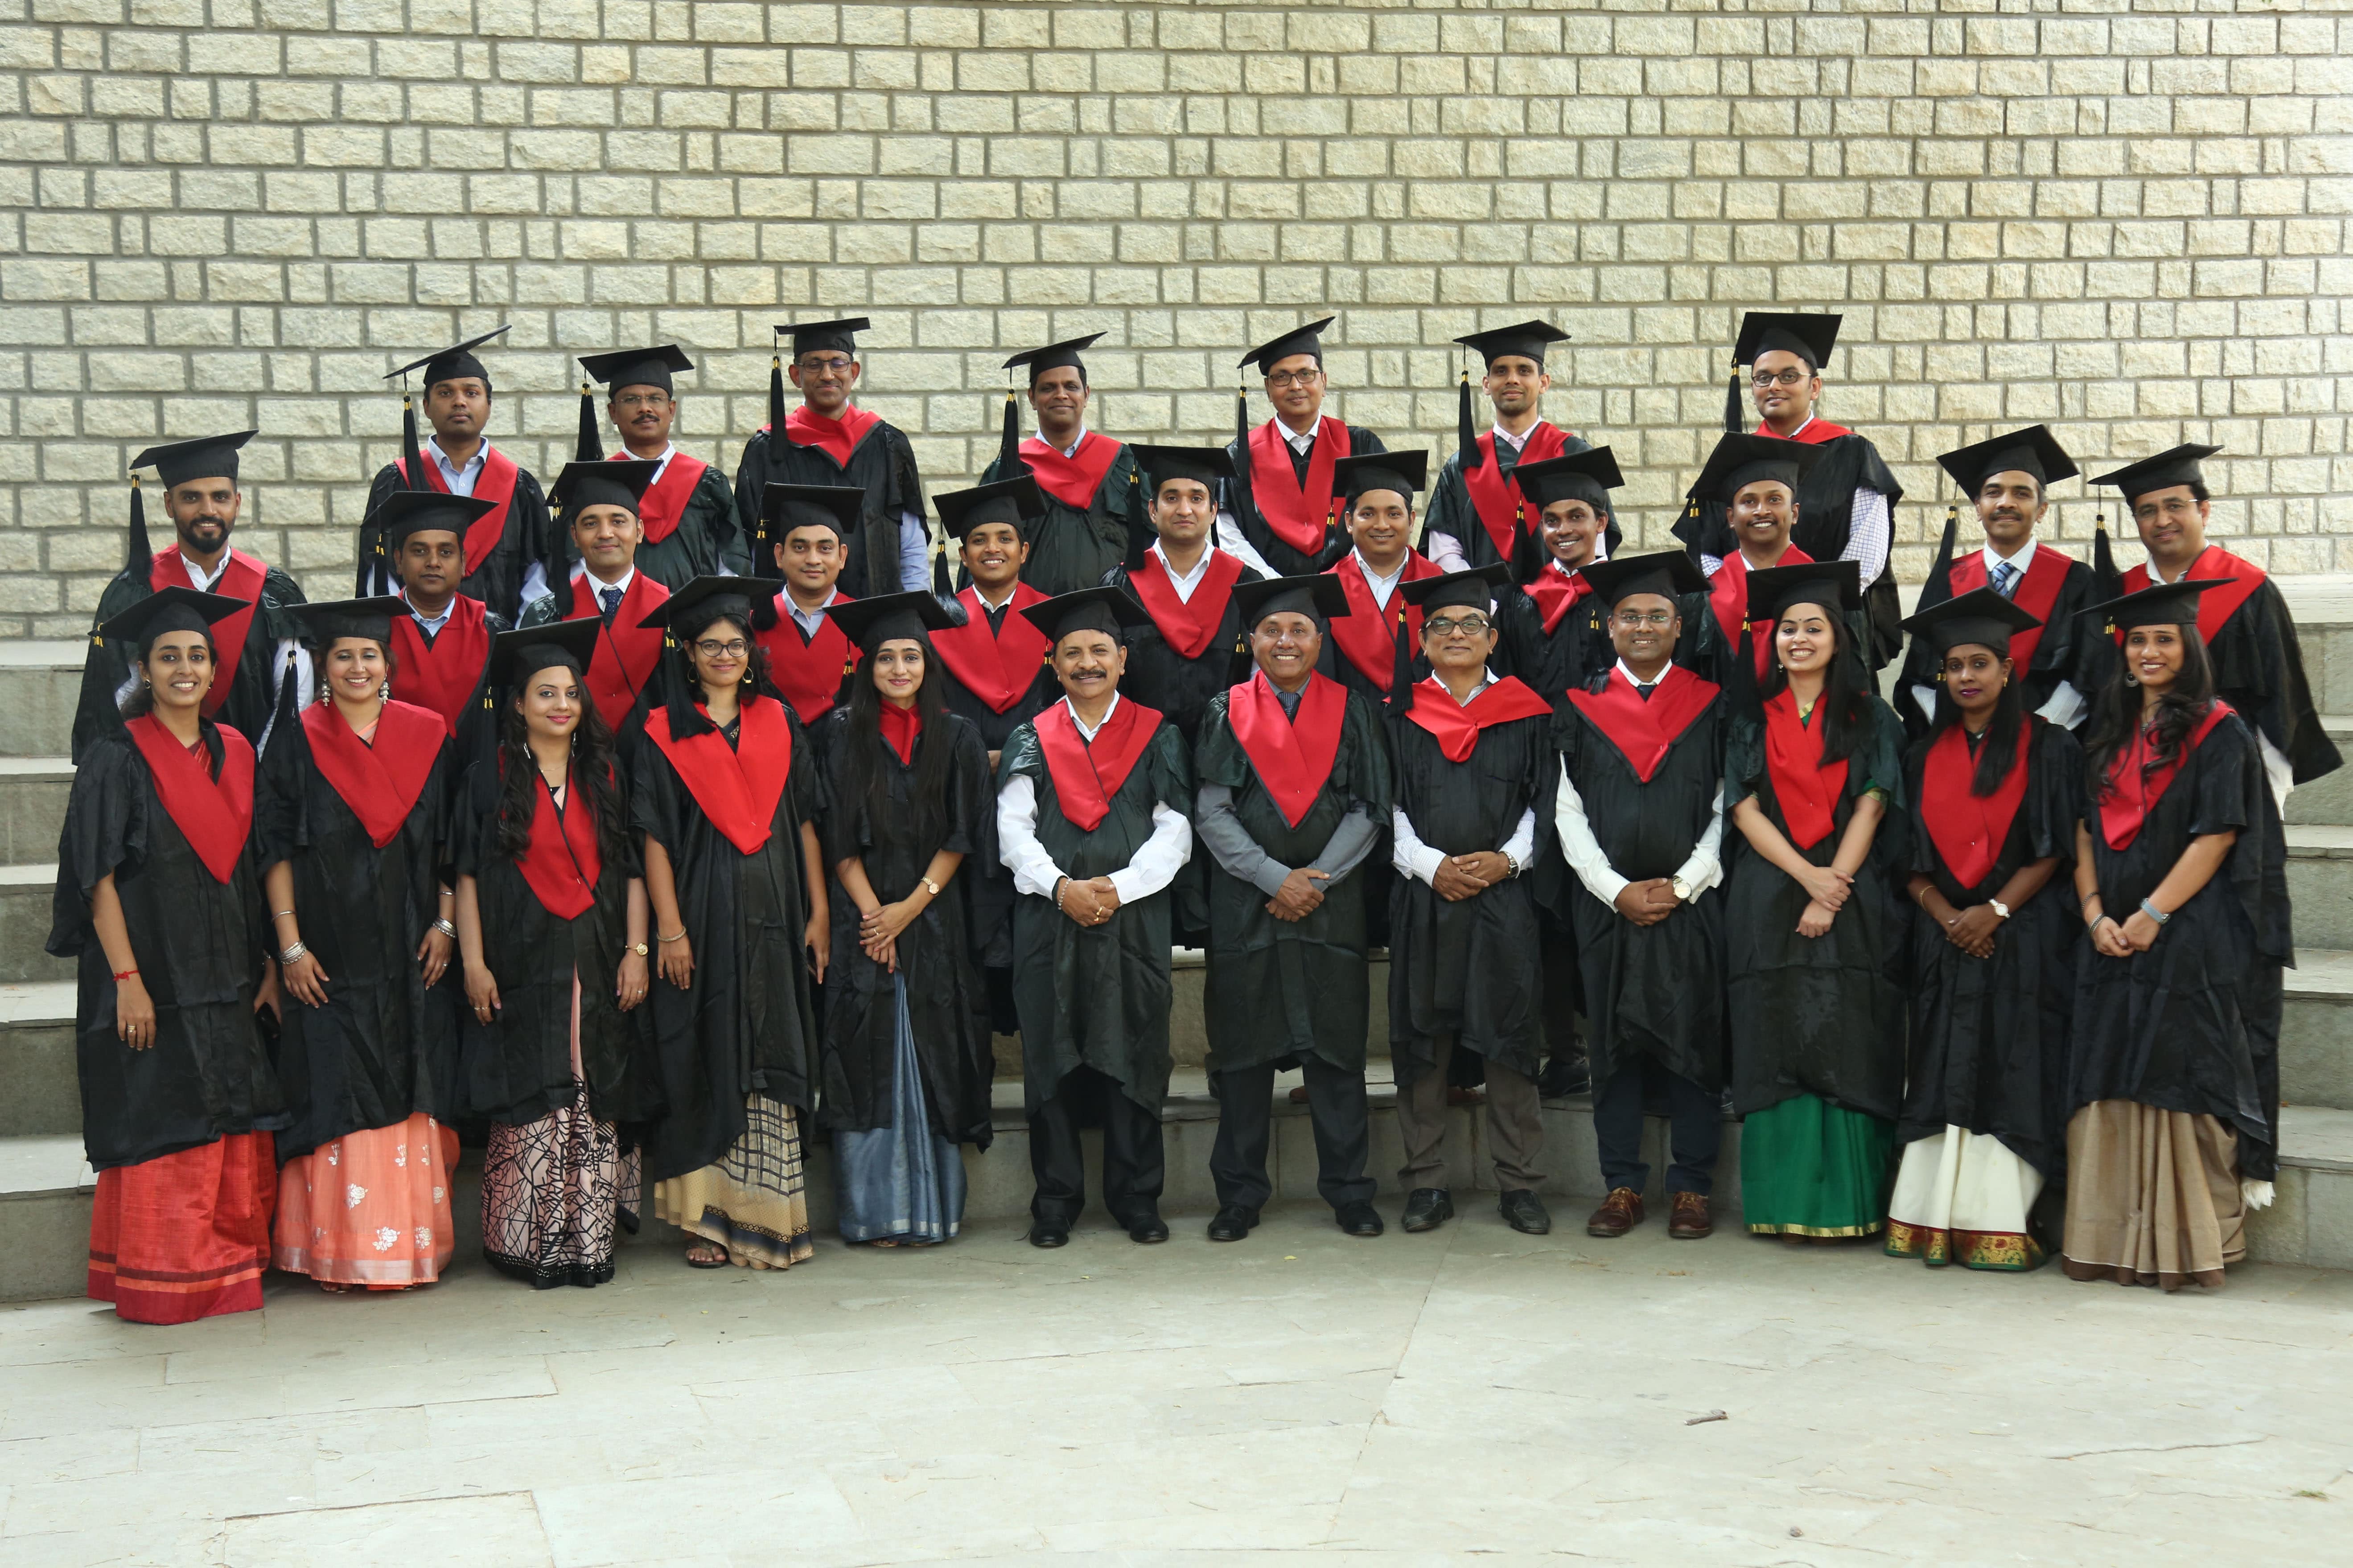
611 599
2005 577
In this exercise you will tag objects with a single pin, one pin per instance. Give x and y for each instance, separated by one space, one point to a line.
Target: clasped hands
1827 888
1088 903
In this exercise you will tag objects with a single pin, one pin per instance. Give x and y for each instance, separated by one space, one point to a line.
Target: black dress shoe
1149 1228
1232 1224
1050 1233
1359 1219
1524 1212
1565 1075
1427 1208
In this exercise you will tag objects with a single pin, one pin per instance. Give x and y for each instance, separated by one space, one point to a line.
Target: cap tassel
1401 674
1241 423
776 396
1472 457
1690 529
1939 586
139 561
1735 419
1528 555
2110 581
589 447
941 587
289 701
1140 531
412 455
1009 464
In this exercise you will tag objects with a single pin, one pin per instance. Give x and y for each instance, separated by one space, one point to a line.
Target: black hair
142 699
2116 712
683 700
1846 691
383 645
861 776
592 767
2003 733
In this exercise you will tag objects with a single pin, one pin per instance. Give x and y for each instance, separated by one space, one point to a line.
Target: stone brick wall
2129 222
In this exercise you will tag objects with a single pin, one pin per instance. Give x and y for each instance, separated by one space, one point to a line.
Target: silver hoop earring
2132 680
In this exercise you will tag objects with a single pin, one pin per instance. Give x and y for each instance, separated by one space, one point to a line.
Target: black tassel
1009 464
1746 695
1736 418
776 400
1939 586
1241 428
1690 531
680 686
1469 439
364 565
1140 532
2105 576
941 588
589 446
139 561
1401 673
412 455
1528 555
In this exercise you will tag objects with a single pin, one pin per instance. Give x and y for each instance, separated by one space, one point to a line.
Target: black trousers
1563 991
1335 1110
1135 1164
1695 1128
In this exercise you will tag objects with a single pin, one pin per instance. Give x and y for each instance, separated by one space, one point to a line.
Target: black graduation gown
883 465
385 1046
497 581
1821 1015
1576 649
1472 970
1071 547
517 1068
1097 996
198 944
2259 671
747 1019
945 1006
1988 1046
988 887
1651 992
2058 654
2181 1027
709 541
1179 688
253 690
1451 510
1277 991
1235 500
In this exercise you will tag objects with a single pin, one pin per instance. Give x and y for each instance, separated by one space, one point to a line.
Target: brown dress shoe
1620 1211
1690 1219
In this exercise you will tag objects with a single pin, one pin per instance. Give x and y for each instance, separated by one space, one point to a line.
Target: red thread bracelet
124 975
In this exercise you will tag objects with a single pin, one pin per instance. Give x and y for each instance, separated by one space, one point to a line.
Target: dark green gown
709 541
1071 547
253 688
882 463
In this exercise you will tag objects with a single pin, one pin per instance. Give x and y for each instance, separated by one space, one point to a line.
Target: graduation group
643 828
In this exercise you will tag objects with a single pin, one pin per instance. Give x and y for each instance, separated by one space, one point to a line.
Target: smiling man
597 504
1756 481
1556 633
440 647
1477 510
253 646
1094 500
1091 821
809 657
2007 480
688 516
1377 491
1277 512
828 440
1189 647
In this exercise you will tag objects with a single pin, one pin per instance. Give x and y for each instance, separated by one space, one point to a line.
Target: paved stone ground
1410 1399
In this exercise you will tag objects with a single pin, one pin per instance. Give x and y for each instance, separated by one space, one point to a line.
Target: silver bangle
2152 912
292 955
446 928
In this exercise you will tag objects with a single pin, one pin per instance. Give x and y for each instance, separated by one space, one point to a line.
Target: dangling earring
2132 680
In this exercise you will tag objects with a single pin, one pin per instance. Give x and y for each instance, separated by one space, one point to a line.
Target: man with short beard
689 518
1477 510
1277 510
1556 633
1756 481
201 499
1092 498
441 648
1189 651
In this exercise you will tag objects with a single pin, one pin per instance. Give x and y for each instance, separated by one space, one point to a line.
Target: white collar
1486 680
581 573
982 595
1514 442
809 618
1635 680
661 464
1184 583
1084 731
422 619
1070 450
2156 572
1299 442
2023 560
198 579
1381 586
481 455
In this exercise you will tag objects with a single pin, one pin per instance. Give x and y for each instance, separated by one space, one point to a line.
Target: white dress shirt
1229 532
1702 869
289 650
1153 868
2066 707
1411 855
1382 588
1186 582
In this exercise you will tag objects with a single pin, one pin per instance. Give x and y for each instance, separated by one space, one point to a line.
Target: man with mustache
1277 510
1477 511
690 521
1094 499
254 646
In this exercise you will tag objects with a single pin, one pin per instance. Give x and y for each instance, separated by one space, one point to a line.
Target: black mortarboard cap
635 367
1834 585
1306 339
1475 588
1979 616
784 508
1053 356
517 656
1318 597
1404 472
1668 573
2177 466
2034 450
450 364
205 457
810 335
1588 476
1209 465
602 482
172 609
1528 338
1740 460
705 599
2160 605
1017 501
1811 335
1101 609
870 623
404 512
370 617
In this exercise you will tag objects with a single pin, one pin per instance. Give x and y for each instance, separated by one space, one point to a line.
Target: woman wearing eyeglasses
727 791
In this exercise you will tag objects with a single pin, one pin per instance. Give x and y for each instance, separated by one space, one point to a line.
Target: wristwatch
638 948
1683 890
1999 907
929 886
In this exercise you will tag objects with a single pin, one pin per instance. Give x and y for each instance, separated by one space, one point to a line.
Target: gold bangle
680 937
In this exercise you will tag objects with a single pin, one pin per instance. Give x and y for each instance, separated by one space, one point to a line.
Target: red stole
2135 782
1557 592
1293 758
898 727
2215 607
736 786
562 863
837 439
625 652
1807 787
1297 512
1188 625
999 668
808 672
1087 774
241 580
496 483
1644 731
1496 497
380 778
2037 594
665 499
1367 635
214 816
1727 595
441 675
1455 726
1969 829
1072 480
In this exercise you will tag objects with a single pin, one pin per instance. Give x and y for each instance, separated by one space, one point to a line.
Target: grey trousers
1515 1125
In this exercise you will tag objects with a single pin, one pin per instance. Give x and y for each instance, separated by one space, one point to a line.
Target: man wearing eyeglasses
690 527
1845 503
828 440
1474 772
1278 510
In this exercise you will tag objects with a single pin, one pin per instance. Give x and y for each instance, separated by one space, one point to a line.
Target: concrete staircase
45 1187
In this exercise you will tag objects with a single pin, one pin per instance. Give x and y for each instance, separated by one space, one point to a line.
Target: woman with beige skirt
2173 1083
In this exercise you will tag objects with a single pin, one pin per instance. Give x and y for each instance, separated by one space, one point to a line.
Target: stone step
26 892
2320 884
33 793
2322 608
2317 1031
45 1196
39 684
2327 801
37 1060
